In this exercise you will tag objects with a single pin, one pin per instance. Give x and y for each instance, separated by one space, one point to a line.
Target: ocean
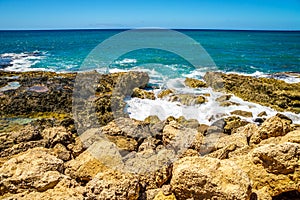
256 53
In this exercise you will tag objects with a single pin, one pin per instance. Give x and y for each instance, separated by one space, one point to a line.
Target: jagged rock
232 123
242 113
270 92
65 189
84 167
180 137
272 127
56 135
34 170
62 152
194 83
209 178
273 169
142 94
278 159
113 185
165 93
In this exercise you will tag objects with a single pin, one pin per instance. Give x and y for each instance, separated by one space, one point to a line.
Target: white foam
126 61
142 108
22 62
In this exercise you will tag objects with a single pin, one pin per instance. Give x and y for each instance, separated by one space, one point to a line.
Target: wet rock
223 98
270 92
229 103
165 93
242 113
209 178
34 170
188 99
113 185
194 83
153 119
262 114
142 94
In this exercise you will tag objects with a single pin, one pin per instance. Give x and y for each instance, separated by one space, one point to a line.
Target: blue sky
204 14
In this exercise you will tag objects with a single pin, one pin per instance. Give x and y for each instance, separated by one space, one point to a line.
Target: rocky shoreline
44 155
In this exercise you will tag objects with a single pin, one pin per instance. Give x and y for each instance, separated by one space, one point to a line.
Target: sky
196 14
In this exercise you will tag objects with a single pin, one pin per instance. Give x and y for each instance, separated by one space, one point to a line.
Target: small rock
242 113
194 83
262 114
165 93
142 94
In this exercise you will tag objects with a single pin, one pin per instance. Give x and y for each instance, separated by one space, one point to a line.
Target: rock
232 123
162 196
123 143
278 159
61 152
165 93
242 113
56 135
180 137
188 99
209 178
65 189
223 98
34 170
113 185
271 168
194 83
270 92
228 103
272 127
84 167
152 119
142 94
262 114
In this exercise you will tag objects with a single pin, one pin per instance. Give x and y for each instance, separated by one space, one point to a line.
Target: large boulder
113 185
35 170
209 178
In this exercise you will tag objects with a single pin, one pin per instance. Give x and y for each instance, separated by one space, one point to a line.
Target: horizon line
191 29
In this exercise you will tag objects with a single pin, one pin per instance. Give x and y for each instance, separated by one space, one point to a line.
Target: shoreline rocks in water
42 154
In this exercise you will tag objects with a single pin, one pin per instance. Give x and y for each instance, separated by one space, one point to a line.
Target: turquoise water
232 51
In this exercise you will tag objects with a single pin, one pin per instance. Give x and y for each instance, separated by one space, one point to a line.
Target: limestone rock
242 113
34 170
165 93
113 185
272 127
194 83
56 135
142 94
209 178
84 167
278 159
273 169
188 99
65 189
162 196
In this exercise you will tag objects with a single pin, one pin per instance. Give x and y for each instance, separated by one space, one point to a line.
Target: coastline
257 157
